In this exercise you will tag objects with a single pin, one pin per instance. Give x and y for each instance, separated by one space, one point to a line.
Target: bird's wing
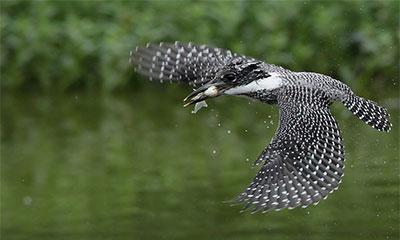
305 160
186 63
179 62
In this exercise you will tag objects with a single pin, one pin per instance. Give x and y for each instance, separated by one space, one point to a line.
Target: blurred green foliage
69 45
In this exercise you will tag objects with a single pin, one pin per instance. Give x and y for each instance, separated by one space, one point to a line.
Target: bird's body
305 160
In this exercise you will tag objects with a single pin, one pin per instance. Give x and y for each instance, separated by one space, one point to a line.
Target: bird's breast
272 82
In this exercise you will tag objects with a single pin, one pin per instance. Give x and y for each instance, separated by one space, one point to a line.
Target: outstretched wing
305 160
178 62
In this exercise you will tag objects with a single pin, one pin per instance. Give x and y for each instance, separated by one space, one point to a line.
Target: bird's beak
208 90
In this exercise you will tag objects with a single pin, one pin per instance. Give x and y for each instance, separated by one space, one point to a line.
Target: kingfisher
304 162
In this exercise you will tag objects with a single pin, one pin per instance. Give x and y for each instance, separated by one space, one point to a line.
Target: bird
304 162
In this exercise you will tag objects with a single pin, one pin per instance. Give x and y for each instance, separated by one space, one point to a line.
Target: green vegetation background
66 46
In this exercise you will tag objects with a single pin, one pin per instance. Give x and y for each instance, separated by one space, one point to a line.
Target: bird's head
238 77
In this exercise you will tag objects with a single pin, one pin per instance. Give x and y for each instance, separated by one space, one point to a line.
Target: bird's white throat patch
272 82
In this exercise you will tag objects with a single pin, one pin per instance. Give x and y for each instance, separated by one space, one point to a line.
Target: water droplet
214 151
27 200
246 130
199 105
219 124
229 131
247 159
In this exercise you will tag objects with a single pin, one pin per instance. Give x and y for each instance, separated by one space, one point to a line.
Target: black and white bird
304 161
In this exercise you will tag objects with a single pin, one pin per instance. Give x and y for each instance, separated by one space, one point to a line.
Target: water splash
199 105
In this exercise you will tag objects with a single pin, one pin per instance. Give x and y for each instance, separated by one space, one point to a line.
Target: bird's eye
230 76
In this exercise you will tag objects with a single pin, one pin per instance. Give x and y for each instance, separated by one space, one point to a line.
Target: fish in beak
204 92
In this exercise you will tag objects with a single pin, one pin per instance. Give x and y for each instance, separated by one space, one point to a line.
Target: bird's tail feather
369 112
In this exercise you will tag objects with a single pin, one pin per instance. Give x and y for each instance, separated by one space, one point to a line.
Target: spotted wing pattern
178 62
305 160
369 112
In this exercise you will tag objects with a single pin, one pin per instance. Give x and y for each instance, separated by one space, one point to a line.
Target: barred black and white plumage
305 160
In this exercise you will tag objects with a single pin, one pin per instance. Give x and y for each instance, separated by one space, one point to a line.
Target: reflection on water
140 166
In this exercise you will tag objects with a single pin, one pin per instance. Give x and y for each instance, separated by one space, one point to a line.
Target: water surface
139 166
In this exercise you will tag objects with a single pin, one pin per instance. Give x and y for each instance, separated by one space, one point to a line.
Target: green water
139 166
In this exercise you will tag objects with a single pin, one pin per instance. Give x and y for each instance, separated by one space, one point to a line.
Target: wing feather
179 62
186 62
305 160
